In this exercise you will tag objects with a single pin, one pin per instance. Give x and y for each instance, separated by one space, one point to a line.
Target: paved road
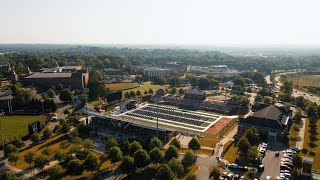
272 163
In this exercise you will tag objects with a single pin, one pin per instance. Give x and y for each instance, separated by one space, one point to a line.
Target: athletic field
16 126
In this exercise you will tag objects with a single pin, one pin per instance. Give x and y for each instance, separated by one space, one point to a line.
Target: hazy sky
206 22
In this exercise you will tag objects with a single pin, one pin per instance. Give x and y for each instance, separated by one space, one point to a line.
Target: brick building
73 77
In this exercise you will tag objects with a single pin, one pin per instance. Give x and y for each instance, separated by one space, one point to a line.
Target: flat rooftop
49 75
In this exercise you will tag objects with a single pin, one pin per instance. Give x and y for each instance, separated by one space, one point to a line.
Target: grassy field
16 126
145 86
209 141
121 86
232 154
316 162
308 80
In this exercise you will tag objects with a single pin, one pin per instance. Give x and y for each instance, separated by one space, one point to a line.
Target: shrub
304 151
312 153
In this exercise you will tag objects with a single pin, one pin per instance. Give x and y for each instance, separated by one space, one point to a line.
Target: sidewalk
299 143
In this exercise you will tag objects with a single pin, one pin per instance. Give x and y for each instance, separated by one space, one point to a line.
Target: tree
156 155
287 87
252 153
258 98
46 151
252 136
59 155
175 142
65 128
51 93
132 94
191 177
111 143
115 154
75 166
160 80
8 175
66 95
28 158
134 146
294 174
64 144
125 147
164 172
127 95
176 167
174 90
194 144
287 106
204 83
145 92
47 133
92 163
171 152
13 157
141 158
215 172
44 95
19 143
57 128
267 100
297 161
298 116
150 91
59 87
138 93
10 148
35 138
155 142
239 81
127 164
181 91
88 144
243 145
55 171
40 161
188 160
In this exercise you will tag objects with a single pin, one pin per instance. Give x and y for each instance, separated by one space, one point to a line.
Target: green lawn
121 86
146 86
16 126
316 163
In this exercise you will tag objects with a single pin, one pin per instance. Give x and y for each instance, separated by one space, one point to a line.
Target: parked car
268 178
236 177
233 166
230 176
261 167
224 174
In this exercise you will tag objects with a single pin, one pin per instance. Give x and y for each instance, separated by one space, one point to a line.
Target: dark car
277 154
261 168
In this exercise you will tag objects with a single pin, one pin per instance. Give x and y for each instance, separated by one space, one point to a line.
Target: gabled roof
195 91
270 116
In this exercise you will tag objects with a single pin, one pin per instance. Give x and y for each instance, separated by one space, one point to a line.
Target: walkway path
299 143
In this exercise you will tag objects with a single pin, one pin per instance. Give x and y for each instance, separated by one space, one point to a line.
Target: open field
316 162
232 154
16 126
121 86
307 80
209 141
145 86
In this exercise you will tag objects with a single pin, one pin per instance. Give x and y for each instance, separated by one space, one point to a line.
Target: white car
268 178
233 166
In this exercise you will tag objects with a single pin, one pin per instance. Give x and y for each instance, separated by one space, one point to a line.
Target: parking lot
271 164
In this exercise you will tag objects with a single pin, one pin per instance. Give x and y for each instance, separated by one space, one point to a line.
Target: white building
157 72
